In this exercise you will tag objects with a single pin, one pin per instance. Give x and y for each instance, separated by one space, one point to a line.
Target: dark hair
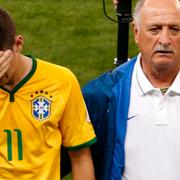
7 31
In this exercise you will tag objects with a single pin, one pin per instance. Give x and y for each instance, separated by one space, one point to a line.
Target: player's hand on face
5 58
115 2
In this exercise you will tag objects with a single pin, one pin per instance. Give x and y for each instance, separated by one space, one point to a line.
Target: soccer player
41 107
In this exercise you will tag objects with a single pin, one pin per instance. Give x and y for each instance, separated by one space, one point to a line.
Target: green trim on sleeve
89 143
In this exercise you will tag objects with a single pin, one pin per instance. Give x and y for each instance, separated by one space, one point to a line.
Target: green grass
74 34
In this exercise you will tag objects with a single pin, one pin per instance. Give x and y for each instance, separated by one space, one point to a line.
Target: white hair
137 10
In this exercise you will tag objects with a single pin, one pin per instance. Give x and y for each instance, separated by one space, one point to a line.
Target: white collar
145 85
175 87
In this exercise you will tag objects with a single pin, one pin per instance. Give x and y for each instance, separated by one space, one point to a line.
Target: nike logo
131 117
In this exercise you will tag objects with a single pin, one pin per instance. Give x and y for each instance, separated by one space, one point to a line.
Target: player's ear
18 43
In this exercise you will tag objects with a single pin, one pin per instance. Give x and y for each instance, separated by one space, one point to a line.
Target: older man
135 108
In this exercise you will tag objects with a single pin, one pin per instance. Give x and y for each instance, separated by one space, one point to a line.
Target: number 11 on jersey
9 144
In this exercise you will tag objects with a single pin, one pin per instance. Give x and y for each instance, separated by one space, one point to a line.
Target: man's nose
165 37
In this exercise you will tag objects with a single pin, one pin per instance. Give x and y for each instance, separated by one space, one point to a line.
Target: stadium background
72 33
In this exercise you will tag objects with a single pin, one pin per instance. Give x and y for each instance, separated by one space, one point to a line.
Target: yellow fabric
53 90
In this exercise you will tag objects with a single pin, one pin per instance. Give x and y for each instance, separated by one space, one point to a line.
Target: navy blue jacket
107 98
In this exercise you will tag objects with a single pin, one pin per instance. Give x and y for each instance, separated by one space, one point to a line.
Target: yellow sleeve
76 128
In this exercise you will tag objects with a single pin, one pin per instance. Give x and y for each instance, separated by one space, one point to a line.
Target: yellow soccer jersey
46 109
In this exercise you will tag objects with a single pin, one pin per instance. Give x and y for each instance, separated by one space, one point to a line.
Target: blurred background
71 33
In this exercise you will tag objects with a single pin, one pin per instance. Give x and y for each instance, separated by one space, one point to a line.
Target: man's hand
115 2
5 58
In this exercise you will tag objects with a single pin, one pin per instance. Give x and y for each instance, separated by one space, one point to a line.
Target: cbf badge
41 108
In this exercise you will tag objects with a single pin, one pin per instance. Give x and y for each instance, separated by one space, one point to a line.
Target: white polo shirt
152 145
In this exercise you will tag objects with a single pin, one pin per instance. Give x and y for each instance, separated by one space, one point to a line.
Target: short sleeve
75 125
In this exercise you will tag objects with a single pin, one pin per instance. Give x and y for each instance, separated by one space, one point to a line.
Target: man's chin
163 58
4 80
2 83
165 64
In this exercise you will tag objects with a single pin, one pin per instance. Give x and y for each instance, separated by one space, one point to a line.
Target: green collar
23 81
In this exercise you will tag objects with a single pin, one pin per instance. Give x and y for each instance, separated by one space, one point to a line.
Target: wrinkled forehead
164 11
161 5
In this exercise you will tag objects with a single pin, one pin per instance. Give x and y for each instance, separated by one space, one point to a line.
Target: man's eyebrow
177 26
161 24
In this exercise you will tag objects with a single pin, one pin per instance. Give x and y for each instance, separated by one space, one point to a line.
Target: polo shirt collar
143 83
175 87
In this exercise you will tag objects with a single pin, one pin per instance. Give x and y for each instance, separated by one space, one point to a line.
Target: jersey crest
41 108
